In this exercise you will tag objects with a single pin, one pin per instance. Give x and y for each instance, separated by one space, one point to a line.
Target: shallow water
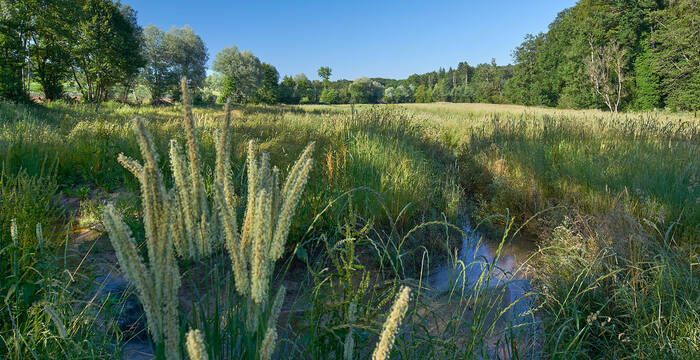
479 266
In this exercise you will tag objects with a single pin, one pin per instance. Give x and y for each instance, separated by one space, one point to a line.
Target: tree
187 55
268 92
528 86
303 90
423 94
51 40
170 57
324 72
404 94
242 71
390 95
648 90
330 96
107 48
366 91
14 30
676 52
442 90
286 91
605 70
157 74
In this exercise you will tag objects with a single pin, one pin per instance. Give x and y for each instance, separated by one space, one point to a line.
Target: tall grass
45 311
635 297
616 200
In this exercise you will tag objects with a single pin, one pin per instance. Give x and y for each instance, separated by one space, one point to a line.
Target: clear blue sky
392 39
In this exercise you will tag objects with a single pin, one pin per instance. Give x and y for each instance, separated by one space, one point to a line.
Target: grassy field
610 202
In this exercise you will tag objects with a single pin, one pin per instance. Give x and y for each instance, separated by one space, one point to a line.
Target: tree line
609 54
613 54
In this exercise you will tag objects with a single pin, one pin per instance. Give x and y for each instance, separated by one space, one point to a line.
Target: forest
614 55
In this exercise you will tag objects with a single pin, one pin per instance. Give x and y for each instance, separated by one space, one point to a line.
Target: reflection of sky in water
474 259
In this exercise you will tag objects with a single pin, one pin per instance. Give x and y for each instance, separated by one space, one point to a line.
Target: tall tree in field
243 73
676 41
528 86
157 74
605 69
324 72
187 55
171 56
423 94
107 48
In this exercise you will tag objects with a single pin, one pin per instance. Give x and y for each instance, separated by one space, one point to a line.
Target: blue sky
391 39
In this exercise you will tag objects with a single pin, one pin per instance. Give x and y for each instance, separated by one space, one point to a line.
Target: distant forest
609 54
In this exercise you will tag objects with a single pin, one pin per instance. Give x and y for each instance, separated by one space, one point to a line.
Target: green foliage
243 73
286 91
304 89
187 56
26 200
659 39
268 93
156 74
635 298
107 48
528 85
324 72
330 96
489 83
648 89
365 91
14 24
52 42
171 56
423 94
677 53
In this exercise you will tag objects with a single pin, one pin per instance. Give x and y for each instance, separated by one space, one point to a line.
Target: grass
613 203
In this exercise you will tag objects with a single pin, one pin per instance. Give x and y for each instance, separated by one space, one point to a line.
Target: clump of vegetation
634 295
253 249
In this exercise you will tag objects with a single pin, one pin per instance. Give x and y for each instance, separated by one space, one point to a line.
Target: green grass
615 200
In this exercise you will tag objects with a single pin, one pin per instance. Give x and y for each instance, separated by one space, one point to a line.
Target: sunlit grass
616 200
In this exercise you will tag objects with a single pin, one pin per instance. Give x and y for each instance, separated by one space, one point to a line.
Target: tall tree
304 89
324 72
51 43
605 69
286 91
366 91
171 56
647 82
107 48
187 55
157 74
242 71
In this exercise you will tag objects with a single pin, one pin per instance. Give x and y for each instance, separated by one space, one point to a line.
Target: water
480 267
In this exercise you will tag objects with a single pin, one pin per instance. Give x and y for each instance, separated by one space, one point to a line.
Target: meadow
607 204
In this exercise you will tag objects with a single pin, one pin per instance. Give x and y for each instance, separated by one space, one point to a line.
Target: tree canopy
243 73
